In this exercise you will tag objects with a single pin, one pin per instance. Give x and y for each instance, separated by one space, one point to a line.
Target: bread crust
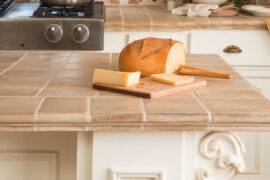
147 55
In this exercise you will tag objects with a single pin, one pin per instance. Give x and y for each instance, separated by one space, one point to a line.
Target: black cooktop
5 5
76 11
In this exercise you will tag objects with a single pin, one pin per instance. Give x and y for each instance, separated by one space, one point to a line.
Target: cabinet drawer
255 45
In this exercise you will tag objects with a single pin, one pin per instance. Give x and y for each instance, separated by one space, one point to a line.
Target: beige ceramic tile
109 28
168 29
201 22
18 109
43 59
89 54
137 28
77 66
6 82
30 74
185 22
239 110
161 17
70 82
5 65
229 93
11 55
38 66
79 74
220 22
113 15
181 110
68 92
89 60
187 94
63 110
18 91
208 59
233 83
242 22
51 53
135 16
115 110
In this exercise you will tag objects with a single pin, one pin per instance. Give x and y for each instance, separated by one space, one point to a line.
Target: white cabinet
137 155
254 60
42 156
133 155
255 45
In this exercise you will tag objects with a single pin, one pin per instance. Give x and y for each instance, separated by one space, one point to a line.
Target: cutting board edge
103 87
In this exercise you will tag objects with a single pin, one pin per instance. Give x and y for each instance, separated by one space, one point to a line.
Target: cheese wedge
116 78
172 79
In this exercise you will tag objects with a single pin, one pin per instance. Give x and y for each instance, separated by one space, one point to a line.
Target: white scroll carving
227 150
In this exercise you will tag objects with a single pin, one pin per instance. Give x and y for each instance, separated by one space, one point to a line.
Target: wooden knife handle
189 70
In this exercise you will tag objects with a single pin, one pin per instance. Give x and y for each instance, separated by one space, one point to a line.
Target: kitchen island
52 119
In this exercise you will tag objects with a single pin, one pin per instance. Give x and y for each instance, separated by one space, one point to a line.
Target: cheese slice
116 78
172 79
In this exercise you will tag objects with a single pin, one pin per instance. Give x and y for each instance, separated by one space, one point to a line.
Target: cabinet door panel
37 156
130 155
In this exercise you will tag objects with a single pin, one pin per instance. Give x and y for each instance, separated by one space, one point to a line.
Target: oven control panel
34 34
53 33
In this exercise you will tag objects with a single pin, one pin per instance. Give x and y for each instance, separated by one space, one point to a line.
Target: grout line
151 19
142 107
38 108
88 110
50 80
14 64
122 17
110 62
44 87
203 104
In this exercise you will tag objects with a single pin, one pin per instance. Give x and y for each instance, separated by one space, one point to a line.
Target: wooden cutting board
151 89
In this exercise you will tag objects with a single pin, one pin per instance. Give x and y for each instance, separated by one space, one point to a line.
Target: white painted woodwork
131 174
255 45
133 155
137 151
42 156
115 41
84 156
21 164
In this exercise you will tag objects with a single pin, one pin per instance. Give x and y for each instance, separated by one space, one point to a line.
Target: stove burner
5 5
80 11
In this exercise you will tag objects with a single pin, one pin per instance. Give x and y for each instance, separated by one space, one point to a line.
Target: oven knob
53 33
80 33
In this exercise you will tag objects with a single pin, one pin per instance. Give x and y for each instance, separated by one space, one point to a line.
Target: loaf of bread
152 56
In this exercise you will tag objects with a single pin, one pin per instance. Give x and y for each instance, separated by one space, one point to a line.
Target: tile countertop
157 18
51 91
